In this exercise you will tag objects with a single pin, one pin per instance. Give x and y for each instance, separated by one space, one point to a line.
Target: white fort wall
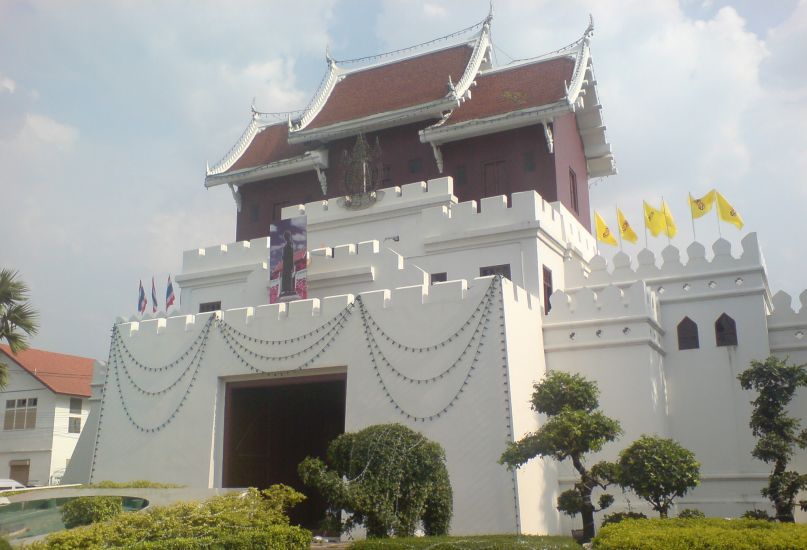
471 397
652 386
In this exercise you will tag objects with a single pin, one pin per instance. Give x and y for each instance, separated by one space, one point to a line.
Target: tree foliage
385 477
574 427
778 433
18 320
658 470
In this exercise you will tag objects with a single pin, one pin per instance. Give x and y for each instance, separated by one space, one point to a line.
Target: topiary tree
658 470
574 428
776 382
87 510
385 477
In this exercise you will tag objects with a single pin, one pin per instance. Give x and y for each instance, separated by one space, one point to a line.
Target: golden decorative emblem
700 205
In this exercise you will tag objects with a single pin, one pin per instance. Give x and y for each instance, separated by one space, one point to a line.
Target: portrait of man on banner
288 265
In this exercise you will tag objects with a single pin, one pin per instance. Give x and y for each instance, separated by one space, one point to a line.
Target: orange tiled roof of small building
66 374
406 83
506 90
269 145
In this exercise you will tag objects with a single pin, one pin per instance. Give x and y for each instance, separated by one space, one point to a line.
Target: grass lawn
482 542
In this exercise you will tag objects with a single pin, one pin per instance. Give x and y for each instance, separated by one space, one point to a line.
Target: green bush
616 517
385 477
701 534
253 519
4 544
691 513
484 542
87 510
758 514
135 484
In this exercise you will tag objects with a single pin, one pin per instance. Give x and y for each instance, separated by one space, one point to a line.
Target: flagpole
717 217
619 225
692 217
666 225
644 215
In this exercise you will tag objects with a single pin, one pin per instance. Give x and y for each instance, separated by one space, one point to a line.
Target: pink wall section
569 154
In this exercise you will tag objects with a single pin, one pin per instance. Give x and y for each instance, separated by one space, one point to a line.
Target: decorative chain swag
316 343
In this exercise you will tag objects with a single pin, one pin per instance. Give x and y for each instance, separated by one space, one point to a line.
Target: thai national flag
141 300
169 294
153 296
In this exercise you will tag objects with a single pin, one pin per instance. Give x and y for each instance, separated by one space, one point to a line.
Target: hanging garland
326 335
478 337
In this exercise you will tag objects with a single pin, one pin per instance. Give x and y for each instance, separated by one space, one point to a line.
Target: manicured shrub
134 484
616 517
253 519
87 510
691 513
700 534
385 477
482 542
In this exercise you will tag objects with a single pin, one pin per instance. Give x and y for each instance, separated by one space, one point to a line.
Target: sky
110 110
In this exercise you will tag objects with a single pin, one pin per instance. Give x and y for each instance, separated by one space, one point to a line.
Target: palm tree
18 320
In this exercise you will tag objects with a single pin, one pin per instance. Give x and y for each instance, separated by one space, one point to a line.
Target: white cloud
41 129
7 85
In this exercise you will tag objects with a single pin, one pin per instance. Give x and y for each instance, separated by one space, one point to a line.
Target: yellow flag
653 219
727 213
625 229
702 206
668 227
603 233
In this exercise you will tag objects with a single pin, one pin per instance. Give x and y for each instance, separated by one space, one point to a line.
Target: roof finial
328 57
252 107
490 13
590 30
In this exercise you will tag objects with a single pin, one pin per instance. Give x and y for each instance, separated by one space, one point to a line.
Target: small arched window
688 334
725 331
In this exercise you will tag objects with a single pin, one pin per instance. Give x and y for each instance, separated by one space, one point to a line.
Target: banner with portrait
288 264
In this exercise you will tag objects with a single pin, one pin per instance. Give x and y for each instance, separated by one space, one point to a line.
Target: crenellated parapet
224 256
355 266
399 200
787 327
494 220
586 318
672 278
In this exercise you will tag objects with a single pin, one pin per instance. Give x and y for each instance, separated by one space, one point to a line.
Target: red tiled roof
393 86
67 374
521 87
269 145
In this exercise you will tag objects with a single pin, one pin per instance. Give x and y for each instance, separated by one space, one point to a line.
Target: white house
45 406
233 391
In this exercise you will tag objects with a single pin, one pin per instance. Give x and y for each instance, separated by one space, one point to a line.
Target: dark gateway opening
270 426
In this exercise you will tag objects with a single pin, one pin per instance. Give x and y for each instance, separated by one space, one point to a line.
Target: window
529 161
503 270
386 176
688 334
494 179
20 414
75 405
74 425
459 175
547 289
254 212
725 331
415 165
438 277
209 306
573 191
